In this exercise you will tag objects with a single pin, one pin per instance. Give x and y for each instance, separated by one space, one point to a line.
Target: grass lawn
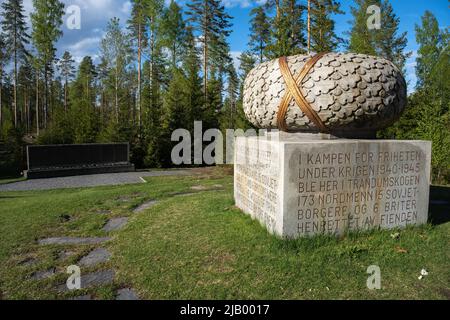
199 246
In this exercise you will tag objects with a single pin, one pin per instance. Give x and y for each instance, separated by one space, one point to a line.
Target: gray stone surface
350 92
64 254
95 257
94 279
126 294
82 298
72 240
89 180
115 224
41 275
145 206
305 187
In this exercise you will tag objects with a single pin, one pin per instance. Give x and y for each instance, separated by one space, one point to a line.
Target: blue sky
96 13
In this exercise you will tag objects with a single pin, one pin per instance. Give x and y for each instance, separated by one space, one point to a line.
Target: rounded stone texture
355 95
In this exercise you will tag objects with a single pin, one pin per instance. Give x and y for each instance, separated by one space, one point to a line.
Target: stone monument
319 168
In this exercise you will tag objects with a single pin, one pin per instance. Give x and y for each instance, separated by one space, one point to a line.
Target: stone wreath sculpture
348 95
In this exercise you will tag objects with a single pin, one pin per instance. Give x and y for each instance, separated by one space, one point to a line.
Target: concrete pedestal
302 185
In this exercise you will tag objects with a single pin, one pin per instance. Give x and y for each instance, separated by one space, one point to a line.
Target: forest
169 65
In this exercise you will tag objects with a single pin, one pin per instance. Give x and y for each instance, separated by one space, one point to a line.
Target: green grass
201 247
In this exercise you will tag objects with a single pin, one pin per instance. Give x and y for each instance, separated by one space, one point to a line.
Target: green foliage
173 30
385 42
259 32
323 35
287 36
11 147
427 116
15 30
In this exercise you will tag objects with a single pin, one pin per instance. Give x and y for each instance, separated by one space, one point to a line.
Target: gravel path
108 179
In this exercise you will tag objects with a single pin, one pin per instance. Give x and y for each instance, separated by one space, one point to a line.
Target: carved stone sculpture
344 94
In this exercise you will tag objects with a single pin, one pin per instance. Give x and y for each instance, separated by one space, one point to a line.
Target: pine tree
67 69
191 65
390 44
323 35
3 59
174 112
25 87
286 28
83 96
116 52
154 10
213 25
46 21
362 40
293 14
16 38
430 39
247 63
427 115
173 29
385 42
433 74
259 32
137 25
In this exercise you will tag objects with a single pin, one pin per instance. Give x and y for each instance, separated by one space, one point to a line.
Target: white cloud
239 3
235 55
126 8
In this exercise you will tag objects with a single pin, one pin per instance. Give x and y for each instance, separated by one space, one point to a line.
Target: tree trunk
152 53
24 116
139 107
28 110
1 89
15 82
45 96
37 103
65 96
309 26
205 53
116 89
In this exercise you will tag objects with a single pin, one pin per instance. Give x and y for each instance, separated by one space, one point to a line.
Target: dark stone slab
94 279
77 159
95 257
72 241
41 275
126 294
115 224
145 206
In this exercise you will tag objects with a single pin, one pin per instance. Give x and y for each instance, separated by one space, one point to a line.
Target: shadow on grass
11 197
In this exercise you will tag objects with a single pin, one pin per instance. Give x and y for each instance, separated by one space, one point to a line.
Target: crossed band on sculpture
294 92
